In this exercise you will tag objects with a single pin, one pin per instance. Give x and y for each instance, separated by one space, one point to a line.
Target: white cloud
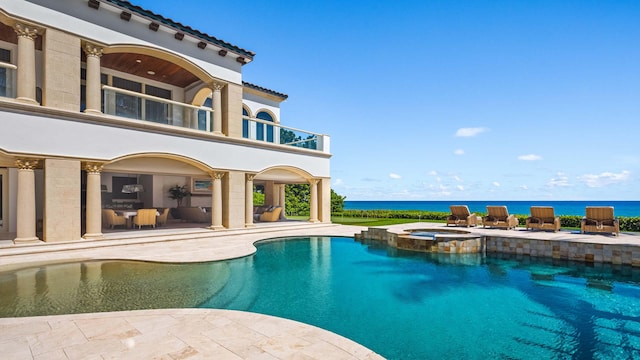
395 176
496 184
458 152
524 187
433 173
561 180
603 179
338 182
457 178
470 132
460 187
530 157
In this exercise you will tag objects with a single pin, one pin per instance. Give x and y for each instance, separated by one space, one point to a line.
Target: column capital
26 31
217 175
217 86
250 177
27 164
92 168
93 50
313 181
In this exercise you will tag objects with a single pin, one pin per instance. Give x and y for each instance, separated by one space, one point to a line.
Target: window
204 115
260 127
128 105
245 124
5 81
157 111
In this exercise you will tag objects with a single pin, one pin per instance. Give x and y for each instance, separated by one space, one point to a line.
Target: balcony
133 105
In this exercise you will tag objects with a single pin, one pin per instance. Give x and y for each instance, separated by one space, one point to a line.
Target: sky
450 100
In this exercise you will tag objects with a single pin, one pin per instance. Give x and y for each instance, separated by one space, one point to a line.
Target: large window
245 124
260 128
128 105
5 81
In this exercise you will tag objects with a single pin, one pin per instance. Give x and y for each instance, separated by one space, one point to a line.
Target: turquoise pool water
402 305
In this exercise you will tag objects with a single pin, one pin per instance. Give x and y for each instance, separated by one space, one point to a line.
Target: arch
201 96
196 70
268 112
245 123
169 156
262 133
301 173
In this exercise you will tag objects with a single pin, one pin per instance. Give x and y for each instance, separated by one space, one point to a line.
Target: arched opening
264 132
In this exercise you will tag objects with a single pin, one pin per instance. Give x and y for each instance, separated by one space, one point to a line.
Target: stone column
282 196
313 201
93 78
248 201
26 63
94 202
216 104
26 212
216 201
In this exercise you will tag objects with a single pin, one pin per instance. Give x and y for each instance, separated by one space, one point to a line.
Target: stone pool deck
208 333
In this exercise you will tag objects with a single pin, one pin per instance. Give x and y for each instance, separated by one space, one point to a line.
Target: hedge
568 221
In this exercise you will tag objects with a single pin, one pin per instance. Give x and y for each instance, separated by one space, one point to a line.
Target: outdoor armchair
460 215
498 216
600 219
145 217
111 219
543 218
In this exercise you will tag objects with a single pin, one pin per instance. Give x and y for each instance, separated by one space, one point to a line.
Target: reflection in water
100 286
401 304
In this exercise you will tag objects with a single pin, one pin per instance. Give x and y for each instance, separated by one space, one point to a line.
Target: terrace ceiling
148 67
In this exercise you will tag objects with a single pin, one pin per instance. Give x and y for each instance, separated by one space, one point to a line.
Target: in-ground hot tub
441 241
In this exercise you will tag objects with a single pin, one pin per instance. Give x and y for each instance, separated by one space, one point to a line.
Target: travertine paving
195 333
169 333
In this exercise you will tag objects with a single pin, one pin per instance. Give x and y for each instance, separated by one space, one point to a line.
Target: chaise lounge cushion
543 218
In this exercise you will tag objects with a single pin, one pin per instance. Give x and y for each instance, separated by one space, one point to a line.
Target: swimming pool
403 305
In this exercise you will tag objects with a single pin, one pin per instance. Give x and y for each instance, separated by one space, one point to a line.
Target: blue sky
450 100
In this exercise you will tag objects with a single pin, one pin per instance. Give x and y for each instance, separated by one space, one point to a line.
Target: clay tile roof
184 28
265 90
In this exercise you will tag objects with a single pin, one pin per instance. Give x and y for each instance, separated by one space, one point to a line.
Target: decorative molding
217 86
313 181
179 36
27 164
93 50
154 26
93 168
26 31
222 52
94 4
202 44
250 177
126 16
217 175
240 59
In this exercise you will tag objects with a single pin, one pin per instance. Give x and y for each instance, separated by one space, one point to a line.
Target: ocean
621 208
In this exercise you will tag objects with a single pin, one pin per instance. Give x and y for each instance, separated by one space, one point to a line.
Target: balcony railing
267 131
8 80
134 105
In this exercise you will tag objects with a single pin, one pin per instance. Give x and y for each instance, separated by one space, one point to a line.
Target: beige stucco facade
101 101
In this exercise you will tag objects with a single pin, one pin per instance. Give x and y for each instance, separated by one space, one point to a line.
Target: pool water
402 305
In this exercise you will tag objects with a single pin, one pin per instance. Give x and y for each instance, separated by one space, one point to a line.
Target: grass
370 221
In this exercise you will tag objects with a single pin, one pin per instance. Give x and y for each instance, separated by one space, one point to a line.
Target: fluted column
26 212
94 202
94 99
313 200
216 201
26 63
216 89
248 201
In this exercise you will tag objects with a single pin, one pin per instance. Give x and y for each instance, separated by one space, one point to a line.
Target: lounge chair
162 218
145 217
111 219
600 219
543 218
460 215
272 215
498 216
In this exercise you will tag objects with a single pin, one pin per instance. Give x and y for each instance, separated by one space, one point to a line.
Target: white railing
267 131
134 105
8 80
